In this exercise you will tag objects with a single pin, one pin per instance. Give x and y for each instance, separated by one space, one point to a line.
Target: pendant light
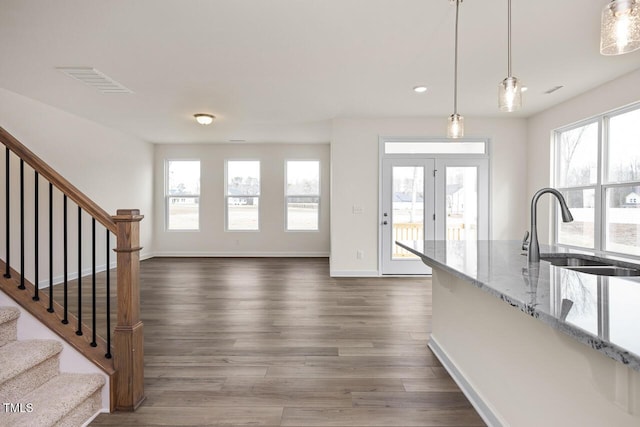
455 125
620 28
510 89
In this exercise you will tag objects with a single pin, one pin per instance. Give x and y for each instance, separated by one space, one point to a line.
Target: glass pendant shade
620 30
510 94
455 126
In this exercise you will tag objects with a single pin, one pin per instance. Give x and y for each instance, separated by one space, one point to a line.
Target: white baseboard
94 416
354 273
86 272
478 403
146 255
242 254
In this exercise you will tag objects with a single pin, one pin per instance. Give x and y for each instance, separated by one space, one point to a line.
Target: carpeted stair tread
31 384
19 356
8 314
8 324
48 408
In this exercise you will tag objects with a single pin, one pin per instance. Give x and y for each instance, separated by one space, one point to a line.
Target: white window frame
600 186
227 196
168 196
287 196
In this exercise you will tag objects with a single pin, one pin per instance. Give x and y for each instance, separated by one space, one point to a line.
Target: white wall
354 178
609 96
212 239
113 169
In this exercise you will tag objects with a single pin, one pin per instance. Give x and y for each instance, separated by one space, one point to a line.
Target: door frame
454 155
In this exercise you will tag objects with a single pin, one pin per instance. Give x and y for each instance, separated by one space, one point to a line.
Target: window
303 195
242 195
435 147
598 171
182 194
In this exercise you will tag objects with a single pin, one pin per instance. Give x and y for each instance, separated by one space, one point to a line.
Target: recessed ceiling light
524 89
420 89
204 119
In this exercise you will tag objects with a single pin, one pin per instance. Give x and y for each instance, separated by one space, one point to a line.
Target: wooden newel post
128 352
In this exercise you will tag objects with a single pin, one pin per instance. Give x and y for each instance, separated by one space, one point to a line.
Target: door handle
384 222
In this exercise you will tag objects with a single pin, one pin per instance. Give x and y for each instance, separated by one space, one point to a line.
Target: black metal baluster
65 320
21 225
36 283
79 330
50 309
93 281
7 272
108 271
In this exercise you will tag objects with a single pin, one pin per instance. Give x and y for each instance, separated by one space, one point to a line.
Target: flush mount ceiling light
510 89
420 89
204 119
620 28
455 124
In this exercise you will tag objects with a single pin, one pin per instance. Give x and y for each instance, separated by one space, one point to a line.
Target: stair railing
122 357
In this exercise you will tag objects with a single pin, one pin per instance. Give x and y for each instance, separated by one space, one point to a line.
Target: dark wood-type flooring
277 342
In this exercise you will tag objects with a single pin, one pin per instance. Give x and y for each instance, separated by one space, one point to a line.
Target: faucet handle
525 243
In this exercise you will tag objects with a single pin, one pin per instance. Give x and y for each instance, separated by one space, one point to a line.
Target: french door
408 212
431 199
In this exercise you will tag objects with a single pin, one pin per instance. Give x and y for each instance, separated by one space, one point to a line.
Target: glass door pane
407 217
461 203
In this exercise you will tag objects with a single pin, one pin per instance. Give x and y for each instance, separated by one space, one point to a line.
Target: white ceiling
280 70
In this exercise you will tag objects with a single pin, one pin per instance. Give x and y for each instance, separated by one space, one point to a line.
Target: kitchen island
534 344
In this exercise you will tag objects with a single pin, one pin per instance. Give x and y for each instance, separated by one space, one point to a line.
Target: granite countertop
600 311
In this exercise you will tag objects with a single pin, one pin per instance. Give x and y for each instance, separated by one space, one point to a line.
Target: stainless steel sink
572 261
586 264
605 270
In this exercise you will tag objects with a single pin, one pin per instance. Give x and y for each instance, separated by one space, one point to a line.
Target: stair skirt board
18 326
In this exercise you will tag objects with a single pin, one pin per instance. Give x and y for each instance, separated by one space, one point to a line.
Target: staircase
33 391
44 243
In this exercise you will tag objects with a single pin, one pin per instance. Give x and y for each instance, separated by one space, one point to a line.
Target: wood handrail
57 180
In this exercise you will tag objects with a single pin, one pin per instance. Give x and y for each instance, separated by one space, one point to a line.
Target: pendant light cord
509 39
455 65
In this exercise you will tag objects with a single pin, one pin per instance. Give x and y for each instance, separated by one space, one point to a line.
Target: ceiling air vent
95 79
553 89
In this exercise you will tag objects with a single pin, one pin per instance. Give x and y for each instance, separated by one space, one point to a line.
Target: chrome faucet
533 254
